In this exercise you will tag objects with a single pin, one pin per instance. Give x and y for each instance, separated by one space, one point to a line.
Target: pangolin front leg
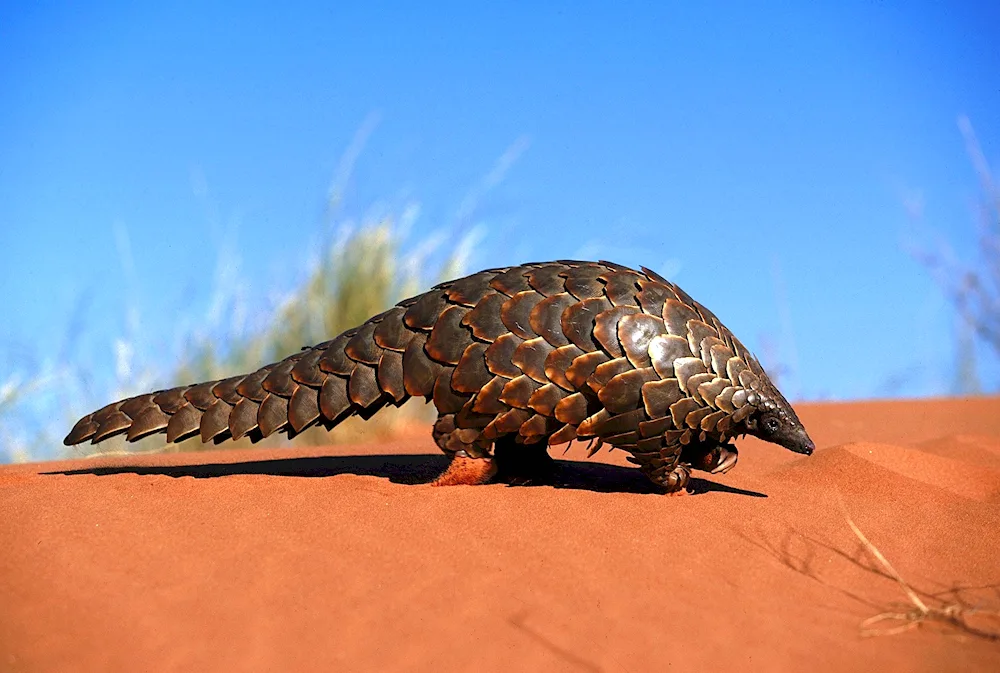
514 359
671 466
664 467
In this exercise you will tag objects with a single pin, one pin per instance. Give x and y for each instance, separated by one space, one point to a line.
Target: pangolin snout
802 444
797 440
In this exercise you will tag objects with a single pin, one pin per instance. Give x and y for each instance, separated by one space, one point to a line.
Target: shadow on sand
410 469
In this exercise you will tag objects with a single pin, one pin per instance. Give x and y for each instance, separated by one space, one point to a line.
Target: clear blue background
768 157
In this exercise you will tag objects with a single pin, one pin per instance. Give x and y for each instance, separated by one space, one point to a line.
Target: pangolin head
774 420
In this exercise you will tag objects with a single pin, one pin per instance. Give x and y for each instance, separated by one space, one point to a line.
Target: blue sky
766 158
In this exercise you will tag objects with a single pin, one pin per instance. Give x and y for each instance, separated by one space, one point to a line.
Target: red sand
245 561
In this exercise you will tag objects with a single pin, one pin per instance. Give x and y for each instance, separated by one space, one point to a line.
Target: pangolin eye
771 424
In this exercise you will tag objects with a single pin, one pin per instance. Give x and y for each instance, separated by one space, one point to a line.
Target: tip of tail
82 431
72 439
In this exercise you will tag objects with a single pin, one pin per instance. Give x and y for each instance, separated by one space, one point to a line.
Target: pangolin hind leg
513 463
471 462
465 470
523 464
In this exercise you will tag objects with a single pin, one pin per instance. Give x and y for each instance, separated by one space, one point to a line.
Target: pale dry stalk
952 614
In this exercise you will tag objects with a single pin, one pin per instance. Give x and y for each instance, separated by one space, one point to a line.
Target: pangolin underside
514 359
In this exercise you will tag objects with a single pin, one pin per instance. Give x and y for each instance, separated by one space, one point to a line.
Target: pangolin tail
359 372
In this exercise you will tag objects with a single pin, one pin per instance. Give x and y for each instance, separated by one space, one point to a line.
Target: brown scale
471 372
582 281
484 320
635 331
546 279
487 400
572 409
513 359
419 370
535 427
582 367
333 400
578 321
558 362
606 329
720 356
676 315
469 290
518 391
183 423
652 296
306 371
215 420
530 357
621 287
303 408
665 350
226 389
362 346
446 399
624 391
500 353
391 332
390 376
516 313
133 406
710 390
546 318
334 360
606 371
511 281
545 399
362 387
153 419
734 367
659 395
706 348
695 383
448 340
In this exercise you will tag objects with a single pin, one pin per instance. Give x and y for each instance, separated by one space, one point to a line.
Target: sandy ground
343 559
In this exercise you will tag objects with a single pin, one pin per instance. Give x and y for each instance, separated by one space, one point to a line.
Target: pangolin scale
515 359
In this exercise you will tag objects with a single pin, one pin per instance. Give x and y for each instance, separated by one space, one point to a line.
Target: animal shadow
411 469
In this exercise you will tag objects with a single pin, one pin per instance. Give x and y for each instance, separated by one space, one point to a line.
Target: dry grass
973 286
956 607
357 270
361 274
952 614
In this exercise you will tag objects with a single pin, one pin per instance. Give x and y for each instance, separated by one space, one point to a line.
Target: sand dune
344 559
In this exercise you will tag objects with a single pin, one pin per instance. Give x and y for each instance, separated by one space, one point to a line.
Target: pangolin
515 359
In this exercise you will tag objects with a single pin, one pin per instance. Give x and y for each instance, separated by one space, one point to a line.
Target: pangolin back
539 354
